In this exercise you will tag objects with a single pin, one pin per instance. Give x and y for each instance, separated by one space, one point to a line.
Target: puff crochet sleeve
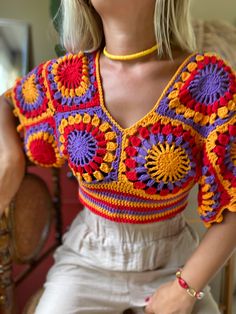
32 106
217 182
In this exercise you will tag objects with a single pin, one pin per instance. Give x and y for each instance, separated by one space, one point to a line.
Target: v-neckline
152 110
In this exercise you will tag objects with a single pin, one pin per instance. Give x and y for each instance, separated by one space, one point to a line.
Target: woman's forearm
10 144
213 251
12 160
216 247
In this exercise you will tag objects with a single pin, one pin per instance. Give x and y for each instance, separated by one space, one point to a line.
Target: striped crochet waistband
129 208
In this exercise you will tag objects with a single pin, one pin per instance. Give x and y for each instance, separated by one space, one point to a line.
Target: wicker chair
217 36
24 231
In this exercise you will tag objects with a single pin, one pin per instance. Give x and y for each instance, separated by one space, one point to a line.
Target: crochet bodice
143 173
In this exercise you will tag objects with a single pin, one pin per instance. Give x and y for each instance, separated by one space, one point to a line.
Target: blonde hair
82 26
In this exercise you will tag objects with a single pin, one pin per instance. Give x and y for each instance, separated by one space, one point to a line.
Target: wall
215 9
36 13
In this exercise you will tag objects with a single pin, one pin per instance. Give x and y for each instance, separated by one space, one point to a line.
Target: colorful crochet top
144 173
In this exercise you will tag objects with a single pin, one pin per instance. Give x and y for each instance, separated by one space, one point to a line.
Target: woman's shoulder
205 57
52 82
205 93
66 67
72 60
212 80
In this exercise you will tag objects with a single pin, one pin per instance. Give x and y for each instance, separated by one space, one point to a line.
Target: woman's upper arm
10 143
217 183
29 101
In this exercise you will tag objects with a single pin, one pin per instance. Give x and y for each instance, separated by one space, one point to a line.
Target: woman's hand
170 298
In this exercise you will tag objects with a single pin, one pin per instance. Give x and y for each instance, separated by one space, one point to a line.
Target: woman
139 122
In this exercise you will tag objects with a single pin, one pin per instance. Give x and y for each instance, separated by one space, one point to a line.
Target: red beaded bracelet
199 295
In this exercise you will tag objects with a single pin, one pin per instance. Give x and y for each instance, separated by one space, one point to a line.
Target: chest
130 95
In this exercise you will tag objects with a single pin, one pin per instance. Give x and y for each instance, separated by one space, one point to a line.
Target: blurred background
32 40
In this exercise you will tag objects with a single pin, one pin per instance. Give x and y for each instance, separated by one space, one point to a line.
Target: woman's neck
129 32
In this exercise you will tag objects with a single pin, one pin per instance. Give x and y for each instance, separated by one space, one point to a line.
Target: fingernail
147 299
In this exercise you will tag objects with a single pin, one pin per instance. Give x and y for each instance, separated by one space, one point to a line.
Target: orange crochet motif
143 173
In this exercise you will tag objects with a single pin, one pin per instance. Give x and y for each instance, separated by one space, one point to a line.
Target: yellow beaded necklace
131 56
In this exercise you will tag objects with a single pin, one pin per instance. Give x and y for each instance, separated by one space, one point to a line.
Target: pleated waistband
125 232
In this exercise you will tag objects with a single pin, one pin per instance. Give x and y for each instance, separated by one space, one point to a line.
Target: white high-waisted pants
107 267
